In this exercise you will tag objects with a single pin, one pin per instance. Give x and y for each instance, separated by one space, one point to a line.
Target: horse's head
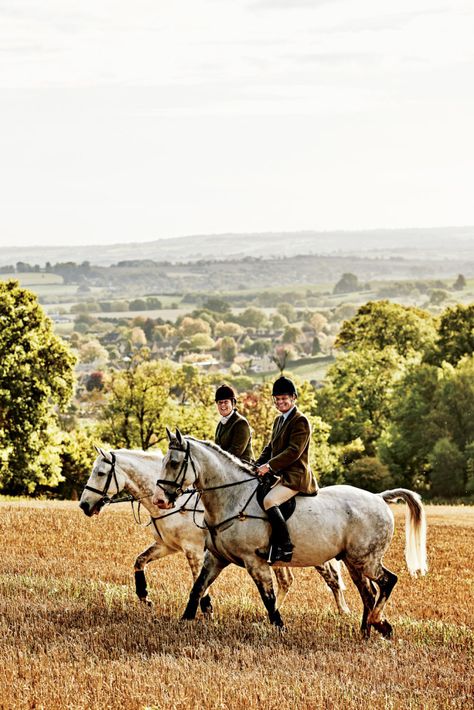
103 483
178 471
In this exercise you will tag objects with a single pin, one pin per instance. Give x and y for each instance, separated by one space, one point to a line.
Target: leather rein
177 485
109 500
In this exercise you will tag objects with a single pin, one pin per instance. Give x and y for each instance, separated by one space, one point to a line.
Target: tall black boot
281 548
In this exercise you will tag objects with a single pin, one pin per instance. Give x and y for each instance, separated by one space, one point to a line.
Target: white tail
415 529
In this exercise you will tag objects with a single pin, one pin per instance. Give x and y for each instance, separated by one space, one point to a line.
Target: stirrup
280 554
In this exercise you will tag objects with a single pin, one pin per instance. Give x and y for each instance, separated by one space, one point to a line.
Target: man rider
287 456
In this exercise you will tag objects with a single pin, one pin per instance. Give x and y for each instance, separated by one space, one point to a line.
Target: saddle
266 484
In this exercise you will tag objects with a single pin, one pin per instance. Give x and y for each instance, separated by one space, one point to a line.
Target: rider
286 456
233 433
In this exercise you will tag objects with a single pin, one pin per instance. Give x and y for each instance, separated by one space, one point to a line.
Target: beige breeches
278 495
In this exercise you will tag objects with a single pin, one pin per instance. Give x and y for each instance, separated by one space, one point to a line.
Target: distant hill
437 244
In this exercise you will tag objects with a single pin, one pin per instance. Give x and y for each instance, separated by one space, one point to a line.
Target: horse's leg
154 552
284 577
386 581
367 594
211 569
195 558
331 573
261 575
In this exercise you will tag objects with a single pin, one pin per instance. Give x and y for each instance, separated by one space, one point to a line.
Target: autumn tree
36 378
381 324
137 404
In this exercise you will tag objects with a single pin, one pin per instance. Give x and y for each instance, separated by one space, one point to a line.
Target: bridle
178 482
111 476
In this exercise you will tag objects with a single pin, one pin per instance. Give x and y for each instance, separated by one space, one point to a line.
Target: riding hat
225 392
284 386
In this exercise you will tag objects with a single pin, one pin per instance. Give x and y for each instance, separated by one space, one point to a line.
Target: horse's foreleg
261 575
211 569
284 577
195 559
331 573
154 552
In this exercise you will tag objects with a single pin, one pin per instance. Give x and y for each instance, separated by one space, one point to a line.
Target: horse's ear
170 435
106 456
179 437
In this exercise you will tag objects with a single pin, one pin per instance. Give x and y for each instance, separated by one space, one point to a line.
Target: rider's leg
281 547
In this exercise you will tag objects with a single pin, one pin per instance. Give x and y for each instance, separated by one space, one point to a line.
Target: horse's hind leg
330 572
284 577
367 594
211 569
386 582
154 552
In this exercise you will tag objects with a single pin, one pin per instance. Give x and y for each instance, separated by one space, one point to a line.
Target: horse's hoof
145 601
384 628
187 618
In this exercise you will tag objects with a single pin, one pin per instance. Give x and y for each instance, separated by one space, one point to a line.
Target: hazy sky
131 121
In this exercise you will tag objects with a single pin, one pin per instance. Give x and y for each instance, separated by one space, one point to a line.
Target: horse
135 472
341 522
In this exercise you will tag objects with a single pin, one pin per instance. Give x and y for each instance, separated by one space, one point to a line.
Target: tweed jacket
287 452
235 436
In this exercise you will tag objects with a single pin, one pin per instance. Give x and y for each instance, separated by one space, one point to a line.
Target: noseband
177 484
111 475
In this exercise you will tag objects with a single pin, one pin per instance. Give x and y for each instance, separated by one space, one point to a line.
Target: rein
178 483
112 475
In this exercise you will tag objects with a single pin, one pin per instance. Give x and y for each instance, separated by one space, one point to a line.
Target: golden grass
73 636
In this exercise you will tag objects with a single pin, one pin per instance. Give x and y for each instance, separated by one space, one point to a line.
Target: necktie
279 425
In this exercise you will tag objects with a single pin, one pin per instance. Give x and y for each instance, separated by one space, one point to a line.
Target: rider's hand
262 470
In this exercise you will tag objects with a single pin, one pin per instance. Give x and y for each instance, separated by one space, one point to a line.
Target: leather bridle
111 476
177 484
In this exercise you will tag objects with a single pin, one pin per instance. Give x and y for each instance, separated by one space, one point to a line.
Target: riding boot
281 548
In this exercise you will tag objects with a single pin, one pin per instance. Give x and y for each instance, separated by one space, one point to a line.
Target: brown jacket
287 452
235 436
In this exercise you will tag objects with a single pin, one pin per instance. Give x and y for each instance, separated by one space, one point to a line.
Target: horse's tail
415 529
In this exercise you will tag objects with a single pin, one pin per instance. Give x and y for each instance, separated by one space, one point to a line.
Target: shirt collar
224 420
287 414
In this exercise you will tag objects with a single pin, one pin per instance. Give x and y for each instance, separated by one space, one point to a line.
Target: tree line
396 407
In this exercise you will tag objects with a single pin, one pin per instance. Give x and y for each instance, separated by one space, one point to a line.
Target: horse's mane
234 459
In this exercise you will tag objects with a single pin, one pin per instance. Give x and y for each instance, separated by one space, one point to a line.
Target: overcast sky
131 121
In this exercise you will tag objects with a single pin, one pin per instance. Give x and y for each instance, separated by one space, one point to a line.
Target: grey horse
341 522
135 472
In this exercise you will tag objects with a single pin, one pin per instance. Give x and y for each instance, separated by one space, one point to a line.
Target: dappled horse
340 522
135 472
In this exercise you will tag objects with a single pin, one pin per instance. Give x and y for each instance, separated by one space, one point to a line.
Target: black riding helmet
225 392
284 386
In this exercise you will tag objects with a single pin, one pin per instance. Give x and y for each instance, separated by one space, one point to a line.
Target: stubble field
74 636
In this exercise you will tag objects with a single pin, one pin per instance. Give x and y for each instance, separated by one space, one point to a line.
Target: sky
123 122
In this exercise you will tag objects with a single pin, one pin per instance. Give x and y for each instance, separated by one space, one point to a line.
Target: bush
447 469
369 473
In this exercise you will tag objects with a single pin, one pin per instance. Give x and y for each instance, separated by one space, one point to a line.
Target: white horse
180 530
339 522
